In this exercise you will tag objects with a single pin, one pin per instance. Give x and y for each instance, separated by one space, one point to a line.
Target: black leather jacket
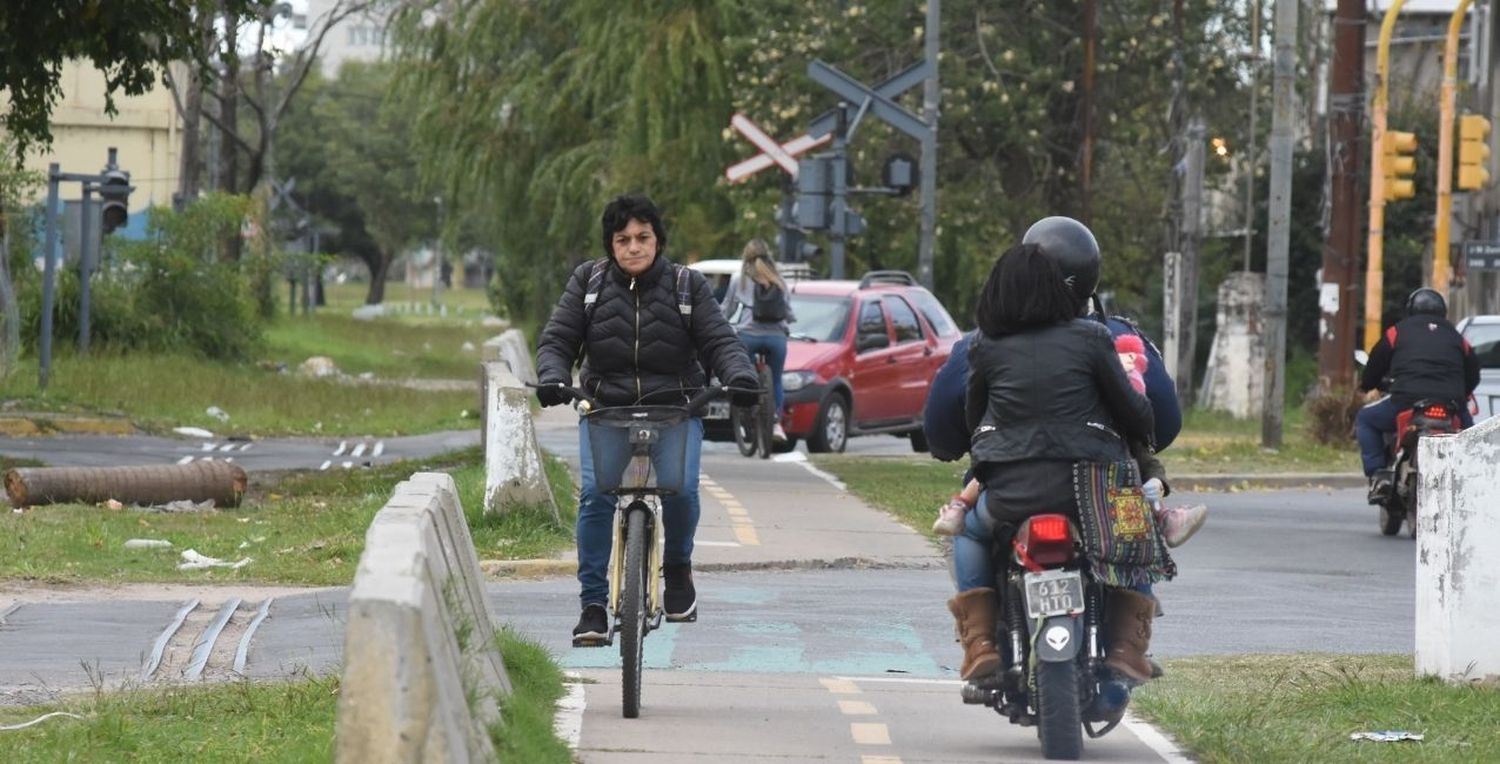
636 346
1055 393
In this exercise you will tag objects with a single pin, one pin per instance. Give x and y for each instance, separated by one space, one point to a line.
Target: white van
720 271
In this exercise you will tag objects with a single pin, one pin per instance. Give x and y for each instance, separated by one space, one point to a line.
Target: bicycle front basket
615 433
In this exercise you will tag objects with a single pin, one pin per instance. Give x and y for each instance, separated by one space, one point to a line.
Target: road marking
206 459
378 449
242 653
185 460
246 447
1152 737
358 451
857 708
870 733
900 680
746 534
739 518
800 458
229 458
208 447
326 465
736 511
839 685
154 659
568 723
204 646
880 760
227 447
715 543
343 444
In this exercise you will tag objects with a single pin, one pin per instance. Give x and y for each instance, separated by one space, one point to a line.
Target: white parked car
720 271
1483 332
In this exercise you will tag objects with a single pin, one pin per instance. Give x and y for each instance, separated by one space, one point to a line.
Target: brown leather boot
1127 628
974 612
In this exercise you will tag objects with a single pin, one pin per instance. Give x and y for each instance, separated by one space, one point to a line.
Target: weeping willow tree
532 113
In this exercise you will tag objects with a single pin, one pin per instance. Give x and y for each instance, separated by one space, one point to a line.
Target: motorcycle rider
1046 391
1420 357
639 323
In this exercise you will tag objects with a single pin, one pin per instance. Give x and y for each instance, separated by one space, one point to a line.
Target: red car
861 357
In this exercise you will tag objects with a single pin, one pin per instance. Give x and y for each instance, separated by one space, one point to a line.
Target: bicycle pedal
591 642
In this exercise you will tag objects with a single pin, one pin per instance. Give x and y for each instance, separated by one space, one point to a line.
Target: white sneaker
778 435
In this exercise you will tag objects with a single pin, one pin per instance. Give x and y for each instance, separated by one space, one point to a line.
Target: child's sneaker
1178 524
950 520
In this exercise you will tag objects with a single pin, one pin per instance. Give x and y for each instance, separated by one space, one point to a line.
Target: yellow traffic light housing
1400 165
1473 152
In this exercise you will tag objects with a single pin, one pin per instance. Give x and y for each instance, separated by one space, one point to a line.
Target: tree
129 40
348 146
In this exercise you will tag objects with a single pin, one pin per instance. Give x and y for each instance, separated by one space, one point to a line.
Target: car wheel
831 431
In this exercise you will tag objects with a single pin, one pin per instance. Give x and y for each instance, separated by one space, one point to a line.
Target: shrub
1330 414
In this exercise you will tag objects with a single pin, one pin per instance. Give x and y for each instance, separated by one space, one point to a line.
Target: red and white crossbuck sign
783 155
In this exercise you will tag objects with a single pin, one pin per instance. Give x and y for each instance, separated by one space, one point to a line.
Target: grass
388 348
910 489
462 303
255 722
309 530
161 392
1296 708
1215 443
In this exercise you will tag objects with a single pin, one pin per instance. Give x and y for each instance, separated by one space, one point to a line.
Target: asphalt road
261 454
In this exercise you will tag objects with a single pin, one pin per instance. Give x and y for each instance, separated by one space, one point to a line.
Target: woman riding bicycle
762 322
639 323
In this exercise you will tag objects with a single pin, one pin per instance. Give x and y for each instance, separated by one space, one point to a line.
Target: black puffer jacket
1422 357
1055 393
637 348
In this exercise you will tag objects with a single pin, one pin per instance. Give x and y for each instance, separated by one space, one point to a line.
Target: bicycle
753 425
635 569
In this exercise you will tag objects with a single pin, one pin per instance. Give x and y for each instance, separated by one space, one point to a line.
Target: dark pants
1377 420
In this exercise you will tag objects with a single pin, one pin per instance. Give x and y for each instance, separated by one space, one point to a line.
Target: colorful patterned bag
1120 537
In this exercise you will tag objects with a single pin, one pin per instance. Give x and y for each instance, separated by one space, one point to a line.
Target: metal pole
1086 105
1440 241
49 277
1284 98
1255 16
840 195
926 242
1374 267
1192 205
1337 302
85 250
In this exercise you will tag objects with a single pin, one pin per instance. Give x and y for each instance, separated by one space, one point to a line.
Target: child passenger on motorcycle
1046 390
1177 524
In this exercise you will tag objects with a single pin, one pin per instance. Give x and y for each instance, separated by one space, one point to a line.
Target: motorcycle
1399 502
1049 633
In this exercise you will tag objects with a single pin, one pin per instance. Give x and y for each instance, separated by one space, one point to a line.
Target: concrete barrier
1458 555
513 470
510 348
422 671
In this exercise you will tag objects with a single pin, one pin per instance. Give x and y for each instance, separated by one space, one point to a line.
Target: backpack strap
685 297
591 292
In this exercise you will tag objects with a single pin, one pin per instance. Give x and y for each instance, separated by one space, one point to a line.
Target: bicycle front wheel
742 421
633 610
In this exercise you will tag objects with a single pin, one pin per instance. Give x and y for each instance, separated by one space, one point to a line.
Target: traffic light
1473 152
114 192
1400 165
814 184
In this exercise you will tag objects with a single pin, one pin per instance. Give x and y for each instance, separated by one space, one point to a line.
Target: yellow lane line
839 686
857 708
870 733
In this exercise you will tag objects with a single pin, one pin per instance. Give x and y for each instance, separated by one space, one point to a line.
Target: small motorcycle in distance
1049 633
1399 502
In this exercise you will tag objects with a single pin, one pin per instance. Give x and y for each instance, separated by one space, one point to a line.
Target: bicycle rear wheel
633 609
765 414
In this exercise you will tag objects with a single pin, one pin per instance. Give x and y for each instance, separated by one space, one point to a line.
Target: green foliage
1330 415
525 732
129 40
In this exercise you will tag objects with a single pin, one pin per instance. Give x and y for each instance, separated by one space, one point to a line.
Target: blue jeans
596 511
1377 420
972 566
774 346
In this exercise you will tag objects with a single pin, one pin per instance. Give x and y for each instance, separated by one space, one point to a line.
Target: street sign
1482 255
856 92
764 142
796 146
891 88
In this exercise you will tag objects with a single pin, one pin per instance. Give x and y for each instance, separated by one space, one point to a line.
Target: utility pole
1255 16
1279 226
1338 320
1192 227
1086 99
1441 252
926 241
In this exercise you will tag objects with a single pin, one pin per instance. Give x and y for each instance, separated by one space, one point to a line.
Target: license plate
1054 592
717 410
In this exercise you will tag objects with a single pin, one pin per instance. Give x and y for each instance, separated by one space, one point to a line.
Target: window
934 312
1486 341
822 319
904 319
872 335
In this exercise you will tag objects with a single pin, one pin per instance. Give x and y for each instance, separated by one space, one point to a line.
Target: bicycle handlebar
693 406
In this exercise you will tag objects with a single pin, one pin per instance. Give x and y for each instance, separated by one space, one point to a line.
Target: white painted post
1458 555
512 456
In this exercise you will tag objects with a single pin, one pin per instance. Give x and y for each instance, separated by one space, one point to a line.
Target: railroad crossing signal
1473 152
773 153
1400 165
887 91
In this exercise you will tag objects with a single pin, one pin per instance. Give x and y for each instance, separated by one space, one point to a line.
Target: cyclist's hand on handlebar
552 394
745 391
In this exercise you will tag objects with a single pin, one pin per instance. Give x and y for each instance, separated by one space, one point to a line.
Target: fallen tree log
222 482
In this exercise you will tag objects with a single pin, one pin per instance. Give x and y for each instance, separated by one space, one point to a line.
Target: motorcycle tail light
1044 540
1436 412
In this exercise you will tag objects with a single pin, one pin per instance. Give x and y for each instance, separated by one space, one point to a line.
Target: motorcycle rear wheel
1060 722
1390 522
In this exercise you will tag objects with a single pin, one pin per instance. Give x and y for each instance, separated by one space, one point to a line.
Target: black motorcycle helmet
1072 245
1428 302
